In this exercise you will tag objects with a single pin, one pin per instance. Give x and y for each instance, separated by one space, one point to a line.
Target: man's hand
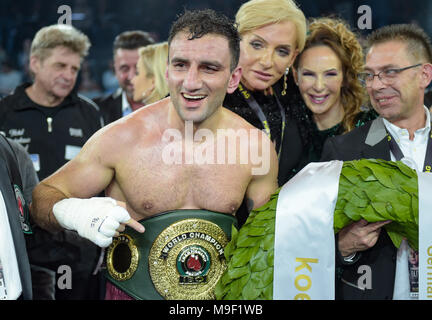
96 219
359 236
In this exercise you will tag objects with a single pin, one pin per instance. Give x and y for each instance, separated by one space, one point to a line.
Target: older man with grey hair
52 123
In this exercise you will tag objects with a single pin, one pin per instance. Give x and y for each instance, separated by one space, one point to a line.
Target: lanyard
398 154
260 114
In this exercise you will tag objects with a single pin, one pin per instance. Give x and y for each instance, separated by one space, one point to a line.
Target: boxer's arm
264 176
83 177
60 201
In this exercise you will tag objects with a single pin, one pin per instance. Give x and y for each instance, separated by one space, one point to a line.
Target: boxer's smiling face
199 75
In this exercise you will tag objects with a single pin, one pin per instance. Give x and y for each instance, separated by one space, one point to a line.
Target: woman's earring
283 93
146 95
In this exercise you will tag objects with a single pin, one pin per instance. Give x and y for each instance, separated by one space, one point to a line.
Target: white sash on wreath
425 235
304 250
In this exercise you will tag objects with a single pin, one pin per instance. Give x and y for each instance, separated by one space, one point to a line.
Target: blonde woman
273 32
150 84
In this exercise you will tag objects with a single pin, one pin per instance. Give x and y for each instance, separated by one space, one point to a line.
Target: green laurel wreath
378 190
374 190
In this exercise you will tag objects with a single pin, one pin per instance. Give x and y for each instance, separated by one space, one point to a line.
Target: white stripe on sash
425 235
304 251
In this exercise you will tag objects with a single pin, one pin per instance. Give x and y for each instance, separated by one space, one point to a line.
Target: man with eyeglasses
398 69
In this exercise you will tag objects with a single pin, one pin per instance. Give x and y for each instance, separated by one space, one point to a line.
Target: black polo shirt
51 135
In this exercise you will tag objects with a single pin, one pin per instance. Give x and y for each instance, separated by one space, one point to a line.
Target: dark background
102 20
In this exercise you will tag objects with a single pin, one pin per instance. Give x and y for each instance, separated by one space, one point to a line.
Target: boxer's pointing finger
135 225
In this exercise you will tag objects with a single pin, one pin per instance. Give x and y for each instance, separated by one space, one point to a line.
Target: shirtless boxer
126 158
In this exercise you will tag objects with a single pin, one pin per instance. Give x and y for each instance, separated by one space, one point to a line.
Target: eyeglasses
387 76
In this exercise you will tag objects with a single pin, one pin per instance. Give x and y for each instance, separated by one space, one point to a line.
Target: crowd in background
102 20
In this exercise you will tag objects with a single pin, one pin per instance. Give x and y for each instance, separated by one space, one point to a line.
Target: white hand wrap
96 219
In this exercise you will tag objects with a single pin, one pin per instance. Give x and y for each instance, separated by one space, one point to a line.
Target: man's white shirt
414 155
126 107
11 279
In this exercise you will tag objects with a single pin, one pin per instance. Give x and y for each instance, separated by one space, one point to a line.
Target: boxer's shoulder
237 123
143 124
233 121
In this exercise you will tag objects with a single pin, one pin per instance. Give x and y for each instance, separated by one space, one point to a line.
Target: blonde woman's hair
50 37
154 58
336 34
255 14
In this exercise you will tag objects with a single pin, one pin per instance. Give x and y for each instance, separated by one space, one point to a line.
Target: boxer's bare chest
151 182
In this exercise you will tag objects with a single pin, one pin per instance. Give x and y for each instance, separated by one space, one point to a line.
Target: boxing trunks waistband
180 256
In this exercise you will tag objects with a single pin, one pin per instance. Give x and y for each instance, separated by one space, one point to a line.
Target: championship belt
180 256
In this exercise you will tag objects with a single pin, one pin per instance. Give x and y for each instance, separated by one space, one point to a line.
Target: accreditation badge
23 211
187 260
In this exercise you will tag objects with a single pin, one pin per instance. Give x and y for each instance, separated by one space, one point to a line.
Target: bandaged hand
96 219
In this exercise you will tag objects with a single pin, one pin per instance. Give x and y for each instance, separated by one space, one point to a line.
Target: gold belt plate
187 260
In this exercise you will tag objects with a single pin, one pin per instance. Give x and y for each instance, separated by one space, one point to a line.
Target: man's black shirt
51 135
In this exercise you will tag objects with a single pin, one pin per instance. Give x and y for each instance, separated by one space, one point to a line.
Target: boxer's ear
234 80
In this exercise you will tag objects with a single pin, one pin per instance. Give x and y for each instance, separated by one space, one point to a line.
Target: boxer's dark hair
418 42
199 23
